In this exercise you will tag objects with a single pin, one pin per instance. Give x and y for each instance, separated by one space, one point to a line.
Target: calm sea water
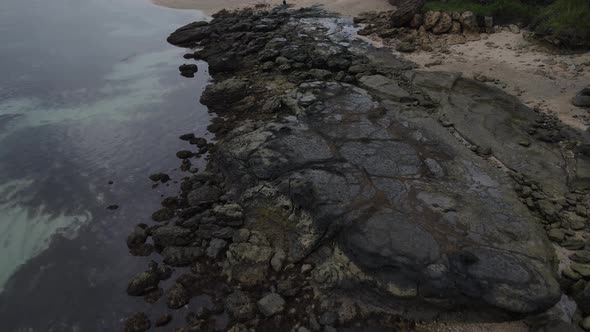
89 93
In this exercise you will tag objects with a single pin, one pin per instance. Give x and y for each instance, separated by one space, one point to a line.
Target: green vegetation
569 19
566 20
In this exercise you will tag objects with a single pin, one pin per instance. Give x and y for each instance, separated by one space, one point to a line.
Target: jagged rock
169 235
444 24
163 321
278 259
271 305
248 263
239 306
190 34
143 283
431 19
556 235
215 247
405 11
204 195
177 296
225 92
139 322
188 70
469 22
137 237
417 21
181 256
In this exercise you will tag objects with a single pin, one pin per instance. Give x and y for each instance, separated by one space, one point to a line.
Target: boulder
405 11
181 256
139 322
225 92
170 235
271 305
190 34
582 98
143 283
431 19
469 22
239 306
444 24
177 296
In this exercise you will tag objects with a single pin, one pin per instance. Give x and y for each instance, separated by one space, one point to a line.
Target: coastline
337 161
343 7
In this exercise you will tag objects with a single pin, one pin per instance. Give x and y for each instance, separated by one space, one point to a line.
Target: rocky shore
348 189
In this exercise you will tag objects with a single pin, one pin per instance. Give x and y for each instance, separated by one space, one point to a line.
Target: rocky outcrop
346 185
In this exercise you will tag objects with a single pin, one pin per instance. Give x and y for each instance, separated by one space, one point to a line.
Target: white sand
538 78
344 7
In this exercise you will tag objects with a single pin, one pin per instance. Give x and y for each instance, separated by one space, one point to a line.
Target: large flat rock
415 213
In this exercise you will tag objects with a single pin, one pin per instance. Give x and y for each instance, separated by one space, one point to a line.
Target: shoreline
343 173
343 7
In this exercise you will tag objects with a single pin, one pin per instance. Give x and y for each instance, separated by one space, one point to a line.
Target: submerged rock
139 322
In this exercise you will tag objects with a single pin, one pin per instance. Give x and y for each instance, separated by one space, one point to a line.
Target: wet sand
343 7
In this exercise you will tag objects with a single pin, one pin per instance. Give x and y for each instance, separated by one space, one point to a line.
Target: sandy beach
522 68
343 7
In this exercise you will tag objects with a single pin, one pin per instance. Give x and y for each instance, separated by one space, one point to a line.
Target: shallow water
90 93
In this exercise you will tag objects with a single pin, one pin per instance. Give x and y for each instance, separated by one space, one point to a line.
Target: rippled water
89 93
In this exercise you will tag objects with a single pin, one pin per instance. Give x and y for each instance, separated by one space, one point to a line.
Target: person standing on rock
284 2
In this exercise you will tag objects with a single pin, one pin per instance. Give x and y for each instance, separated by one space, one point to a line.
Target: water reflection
90 94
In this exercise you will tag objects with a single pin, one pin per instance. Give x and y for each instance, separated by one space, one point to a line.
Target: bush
566 20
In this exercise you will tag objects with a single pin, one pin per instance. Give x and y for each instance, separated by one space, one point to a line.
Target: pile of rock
428 31
334 194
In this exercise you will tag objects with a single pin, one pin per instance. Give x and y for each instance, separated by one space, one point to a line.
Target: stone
585 323
163 214
278 259
169 235
188 70
569 273
469 22
573 244
239 306
163 320
160 177
582 98
215 247
444 24
582 256
181 256
547 208
456 28
225 92
556 235
139 322
184 154
416 21
137 237
143 283
514 29
271 304
190 34
431 19
177 296
204 195
404 11
582 269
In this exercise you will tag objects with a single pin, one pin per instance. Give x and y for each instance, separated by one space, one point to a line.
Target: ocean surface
91 104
